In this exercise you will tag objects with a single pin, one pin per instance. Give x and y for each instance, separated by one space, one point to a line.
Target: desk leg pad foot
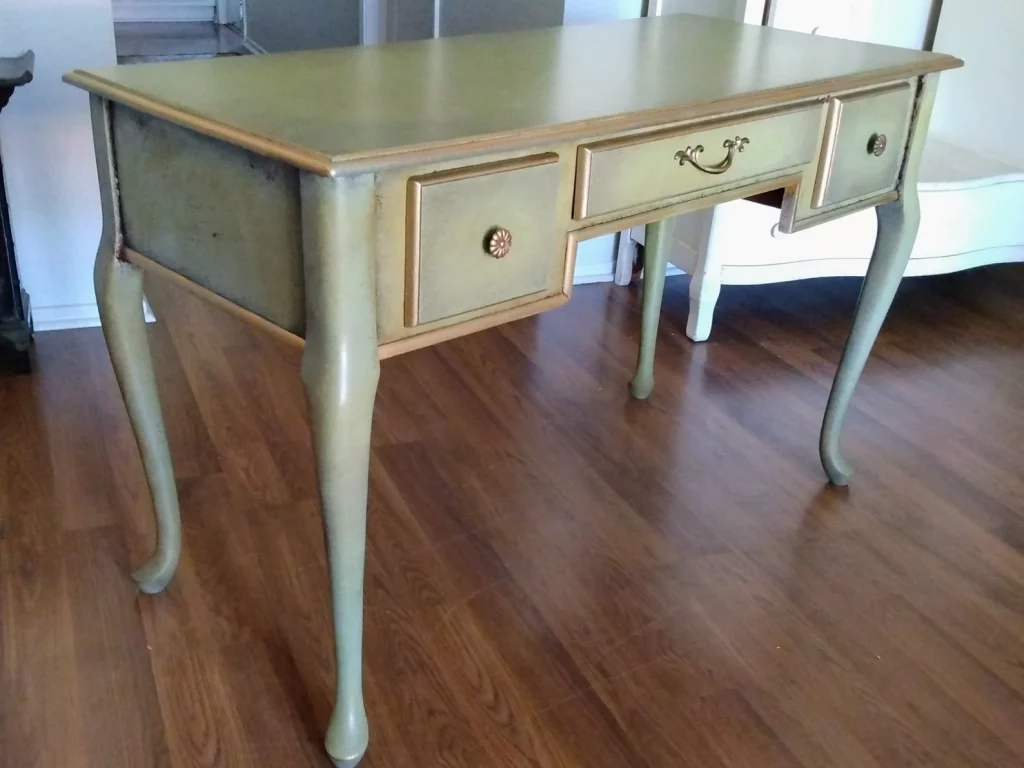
348 733
657 238
641 386
154 575
836 467
351 762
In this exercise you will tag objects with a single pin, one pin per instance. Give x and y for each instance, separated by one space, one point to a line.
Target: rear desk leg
657 238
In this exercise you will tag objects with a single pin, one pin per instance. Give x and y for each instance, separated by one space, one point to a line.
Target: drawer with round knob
865 135
481 236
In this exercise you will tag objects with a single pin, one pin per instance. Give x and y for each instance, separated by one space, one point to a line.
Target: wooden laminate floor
557 576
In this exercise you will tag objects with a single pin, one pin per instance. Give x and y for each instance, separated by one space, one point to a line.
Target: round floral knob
877 144
499 242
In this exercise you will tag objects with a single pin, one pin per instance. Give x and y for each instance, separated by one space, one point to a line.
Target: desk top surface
373 106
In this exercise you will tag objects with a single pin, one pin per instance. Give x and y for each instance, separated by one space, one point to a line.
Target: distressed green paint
897 229
340 369
648 171
368 105
855 172
225 218
456 273
657 240
119 296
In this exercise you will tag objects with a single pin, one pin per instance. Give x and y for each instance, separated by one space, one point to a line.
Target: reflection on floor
556 575
169 41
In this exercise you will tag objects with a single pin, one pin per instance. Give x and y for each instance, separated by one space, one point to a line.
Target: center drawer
482 236
625 173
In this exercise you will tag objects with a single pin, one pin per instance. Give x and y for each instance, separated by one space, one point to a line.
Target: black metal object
15 315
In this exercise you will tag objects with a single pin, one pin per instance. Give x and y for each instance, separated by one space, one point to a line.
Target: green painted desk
366 202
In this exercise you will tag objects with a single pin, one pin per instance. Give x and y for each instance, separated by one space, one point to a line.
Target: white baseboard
596 264
593 268
157 10
65 316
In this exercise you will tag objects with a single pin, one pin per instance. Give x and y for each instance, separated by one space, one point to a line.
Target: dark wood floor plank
556 575
794 673
115 686
82 483
279 411
199 709
589 734
29 516
892 681
992 633
223 403
978 690
41 720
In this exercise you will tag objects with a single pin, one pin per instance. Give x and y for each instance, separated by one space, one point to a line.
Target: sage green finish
225 218
119 296
897 229
368 105
456 273
855 171
340 369
626 176
657 242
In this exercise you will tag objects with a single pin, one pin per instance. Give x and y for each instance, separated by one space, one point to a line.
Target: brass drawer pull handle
692 155
499 242
877 144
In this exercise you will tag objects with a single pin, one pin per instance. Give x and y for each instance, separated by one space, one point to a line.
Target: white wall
46 139
888 22
981 107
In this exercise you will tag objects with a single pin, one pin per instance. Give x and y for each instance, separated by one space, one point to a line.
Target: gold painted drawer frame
414 224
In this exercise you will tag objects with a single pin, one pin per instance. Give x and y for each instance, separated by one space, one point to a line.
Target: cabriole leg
657 238
897 230
118 287
119 295
340 369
